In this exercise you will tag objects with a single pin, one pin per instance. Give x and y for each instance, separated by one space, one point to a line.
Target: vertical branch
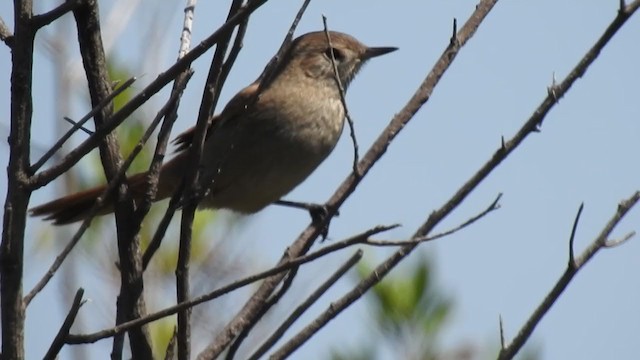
130 304
193 189
17 200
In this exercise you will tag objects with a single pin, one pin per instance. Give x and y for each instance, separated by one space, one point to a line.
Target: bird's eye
337 54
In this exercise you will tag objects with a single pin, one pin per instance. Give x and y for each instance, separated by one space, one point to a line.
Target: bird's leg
317 212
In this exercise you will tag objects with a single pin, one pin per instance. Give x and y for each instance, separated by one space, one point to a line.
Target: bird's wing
235 105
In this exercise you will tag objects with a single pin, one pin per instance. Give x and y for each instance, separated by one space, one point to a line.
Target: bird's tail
76 207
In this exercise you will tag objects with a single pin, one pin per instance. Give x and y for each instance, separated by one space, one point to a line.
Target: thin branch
75 123
379 147
295 315
59 340
529 127
613 243
502 342
572 261
79 125
5 34
47 18
598 243
284 267
336 76
276 61
93 211
44 177
161 147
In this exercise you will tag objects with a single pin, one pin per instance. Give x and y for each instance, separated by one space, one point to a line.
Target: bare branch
47 18
284 267
529 127
336 76
598 243
5 34
59 340
17 198
131 303
279 332
573 235
162 80
275 62
78 125
613 243
306 239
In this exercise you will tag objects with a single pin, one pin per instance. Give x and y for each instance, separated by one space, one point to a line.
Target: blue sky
586 152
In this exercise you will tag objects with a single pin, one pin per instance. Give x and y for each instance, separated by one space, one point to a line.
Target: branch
284 267
78 125
279 332
17 198
336 76
59 340
5 34
44 177
600 242
100 201
130 303
47 18
161 147
306 239
530 126
193 189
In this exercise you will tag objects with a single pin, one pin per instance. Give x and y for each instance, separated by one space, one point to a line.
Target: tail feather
76 207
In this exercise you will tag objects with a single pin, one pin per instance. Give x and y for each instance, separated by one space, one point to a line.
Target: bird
262 145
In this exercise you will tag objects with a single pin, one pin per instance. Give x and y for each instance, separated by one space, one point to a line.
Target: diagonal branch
279 332
78 125
281 268
44 177
306 239
600 242
47 18
5 34
59 340
530 126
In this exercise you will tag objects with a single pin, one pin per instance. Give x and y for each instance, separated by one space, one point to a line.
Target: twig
267 74
161 147
279 332
600 242
47 18
306 239
336 76
193 189
529 127
5 34
59 340
265 78
502 342
572 262
79 125
163 79
90 338
94 210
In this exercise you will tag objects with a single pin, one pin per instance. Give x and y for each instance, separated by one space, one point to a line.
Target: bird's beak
377 51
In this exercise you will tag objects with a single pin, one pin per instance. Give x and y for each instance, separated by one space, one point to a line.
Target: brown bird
258 149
